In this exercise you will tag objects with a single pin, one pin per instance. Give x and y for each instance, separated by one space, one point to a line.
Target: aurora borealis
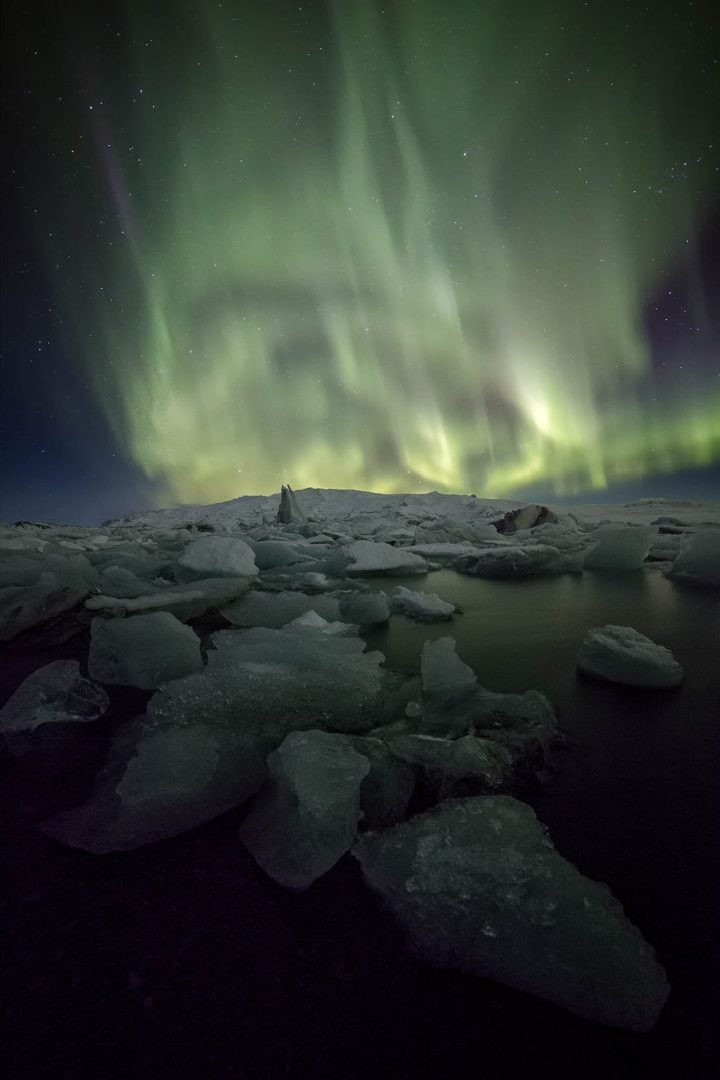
399 246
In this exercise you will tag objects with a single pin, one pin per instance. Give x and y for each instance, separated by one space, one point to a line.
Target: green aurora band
399 250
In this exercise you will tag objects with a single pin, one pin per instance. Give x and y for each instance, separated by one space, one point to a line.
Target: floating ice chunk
448 688
36 606
218 556
477 886
143 651
22 543
622 548
700 561
311 581
131 557
183 601
449 761
160 782
365 609
121 582
565 535
524 724
449 553
275 609
52 697
623 655
20 569
448 530
666 549
276 681
270 554
502 710
312 621
369 557
306 818
386 791
427 607
71 571
515 561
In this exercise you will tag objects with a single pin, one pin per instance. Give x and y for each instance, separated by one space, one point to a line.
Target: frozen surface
160 782
619 549
427 607
143 650
623 655
218 556
699 563
477 886
306 817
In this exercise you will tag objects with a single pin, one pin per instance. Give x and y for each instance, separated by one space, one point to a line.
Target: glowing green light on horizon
437 281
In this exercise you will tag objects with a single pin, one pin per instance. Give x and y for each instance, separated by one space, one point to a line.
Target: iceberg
699 562
160 781
54 694
426 607
275 609
273 682
306 817
516 561
477 886
623 655
364 609
372 557
218 556
36 607
143 650
623 548
185 602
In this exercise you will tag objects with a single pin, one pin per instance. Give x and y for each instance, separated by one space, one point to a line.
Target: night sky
401 246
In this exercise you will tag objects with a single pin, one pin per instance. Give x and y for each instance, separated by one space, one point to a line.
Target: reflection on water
635 798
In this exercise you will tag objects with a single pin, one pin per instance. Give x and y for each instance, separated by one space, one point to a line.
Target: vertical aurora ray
402 248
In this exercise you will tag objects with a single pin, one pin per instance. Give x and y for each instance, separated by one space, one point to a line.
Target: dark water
635 800
184 960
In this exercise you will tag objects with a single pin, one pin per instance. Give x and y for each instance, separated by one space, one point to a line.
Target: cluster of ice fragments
272 697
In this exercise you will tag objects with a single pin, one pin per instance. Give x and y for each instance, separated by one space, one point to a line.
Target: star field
400 246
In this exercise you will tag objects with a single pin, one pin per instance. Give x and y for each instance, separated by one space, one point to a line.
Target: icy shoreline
245 629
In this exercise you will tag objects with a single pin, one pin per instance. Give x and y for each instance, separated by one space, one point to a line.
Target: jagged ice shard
396 248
